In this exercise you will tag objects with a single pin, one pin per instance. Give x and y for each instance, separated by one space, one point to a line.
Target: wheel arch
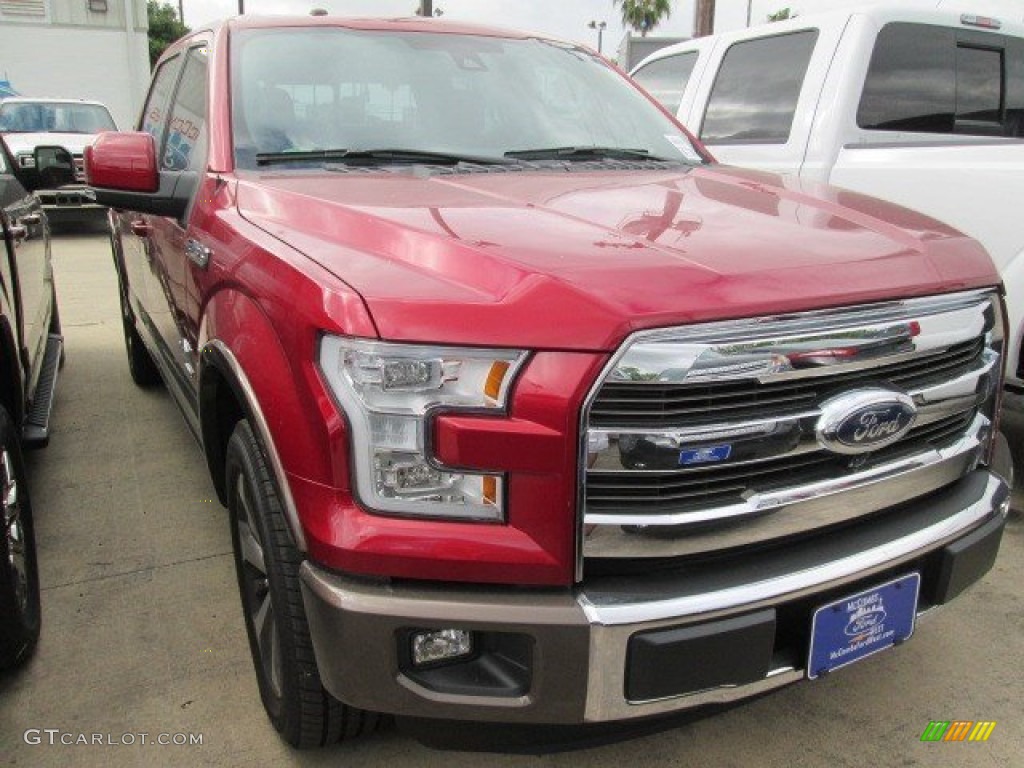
225 397
245 372
11 395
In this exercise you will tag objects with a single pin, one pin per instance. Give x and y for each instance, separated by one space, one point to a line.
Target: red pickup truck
525 411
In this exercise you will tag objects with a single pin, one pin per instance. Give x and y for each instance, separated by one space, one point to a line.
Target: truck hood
75 143
579 259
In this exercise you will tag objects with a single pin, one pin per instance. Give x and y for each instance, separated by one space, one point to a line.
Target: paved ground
142 627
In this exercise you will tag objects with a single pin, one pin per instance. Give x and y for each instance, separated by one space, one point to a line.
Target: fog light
440 645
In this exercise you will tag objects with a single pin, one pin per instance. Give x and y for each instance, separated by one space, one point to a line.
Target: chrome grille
641 493
705 438
637 404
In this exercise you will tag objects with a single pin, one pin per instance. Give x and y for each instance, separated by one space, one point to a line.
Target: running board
36 430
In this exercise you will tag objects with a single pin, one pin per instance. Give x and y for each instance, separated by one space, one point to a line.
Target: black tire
267 564
140 364
19 571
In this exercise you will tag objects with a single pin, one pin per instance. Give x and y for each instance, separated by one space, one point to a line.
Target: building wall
70 52
633 49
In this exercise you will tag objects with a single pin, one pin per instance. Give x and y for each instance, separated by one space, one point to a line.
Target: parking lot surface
142 628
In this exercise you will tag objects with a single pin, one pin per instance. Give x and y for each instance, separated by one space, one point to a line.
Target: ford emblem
864 420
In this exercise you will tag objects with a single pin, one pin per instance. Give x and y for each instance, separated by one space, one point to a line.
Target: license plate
859 625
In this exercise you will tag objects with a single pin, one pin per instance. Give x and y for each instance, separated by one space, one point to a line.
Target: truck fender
240 350
12 395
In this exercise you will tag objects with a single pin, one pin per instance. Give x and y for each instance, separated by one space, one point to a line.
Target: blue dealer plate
704 455
857 626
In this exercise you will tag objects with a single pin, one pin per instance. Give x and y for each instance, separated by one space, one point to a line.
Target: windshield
54 117
324 90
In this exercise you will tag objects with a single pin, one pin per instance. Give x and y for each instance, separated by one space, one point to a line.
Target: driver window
154 114
184 148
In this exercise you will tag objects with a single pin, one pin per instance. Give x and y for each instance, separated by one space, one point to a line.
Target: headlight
387 391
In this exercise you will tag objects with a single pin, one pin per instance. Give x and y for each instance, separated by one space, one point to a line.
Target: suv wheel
267 564
19 575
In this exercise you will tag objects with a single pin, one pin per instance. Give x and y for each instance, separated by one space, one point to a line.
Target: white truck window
666 79
755 94
930 79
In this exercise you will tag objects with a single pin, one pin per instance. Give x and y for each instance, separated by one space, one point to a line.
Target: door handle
198 253
19 232
140 228
32 218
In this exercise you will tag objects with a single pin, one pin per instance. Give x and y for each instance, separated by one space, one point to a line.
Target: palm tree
643 15
782 15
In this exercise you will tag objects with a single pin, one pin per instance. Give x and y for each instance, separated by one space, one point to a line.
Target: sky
566 19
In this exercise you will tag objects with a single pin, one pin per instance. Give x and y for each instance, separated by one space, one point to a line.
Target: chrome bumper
69 198
580 639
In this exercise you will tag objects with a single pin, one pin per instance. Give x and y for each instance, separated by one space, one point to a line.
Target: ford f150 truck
922 106
30 355
522 409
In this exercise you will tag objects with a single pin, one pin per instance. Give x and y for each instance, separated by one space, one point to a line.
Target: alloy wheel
14 530
259 603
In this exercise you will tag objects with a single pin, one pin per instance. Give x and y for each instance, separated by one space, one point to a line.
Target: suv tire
19 572
267 564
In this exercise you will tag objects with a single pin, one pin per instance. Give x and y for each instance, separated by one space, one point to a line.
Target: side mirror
54 167
122 170
122 161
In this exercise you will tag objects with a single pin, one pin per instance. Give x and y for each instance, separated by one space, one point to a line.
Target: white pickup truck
912 103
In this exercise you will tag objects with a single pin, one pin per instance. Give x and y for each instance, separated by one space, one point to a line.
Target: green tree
643 15
164 28
782 15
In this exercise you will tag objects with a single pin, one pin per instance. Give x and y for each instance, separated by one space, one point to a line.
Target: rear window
930 79
666 79
755 94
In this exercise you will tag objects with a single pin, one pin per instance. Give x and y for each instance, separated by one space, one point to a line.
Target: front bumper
731 628
68 200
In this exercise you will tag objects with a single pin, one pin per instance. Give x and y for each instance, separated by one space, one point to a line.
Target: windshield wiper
584 153
368 156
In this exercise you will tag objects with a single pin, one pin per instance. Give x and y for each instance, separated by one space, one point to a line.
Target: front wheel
19 573
267 564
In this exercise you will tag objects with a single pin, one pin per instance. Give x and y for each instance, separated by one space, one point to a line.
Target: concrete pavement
142 628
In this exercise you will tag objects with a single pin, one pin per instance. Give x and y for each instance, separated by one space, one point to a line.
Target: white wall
107 65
